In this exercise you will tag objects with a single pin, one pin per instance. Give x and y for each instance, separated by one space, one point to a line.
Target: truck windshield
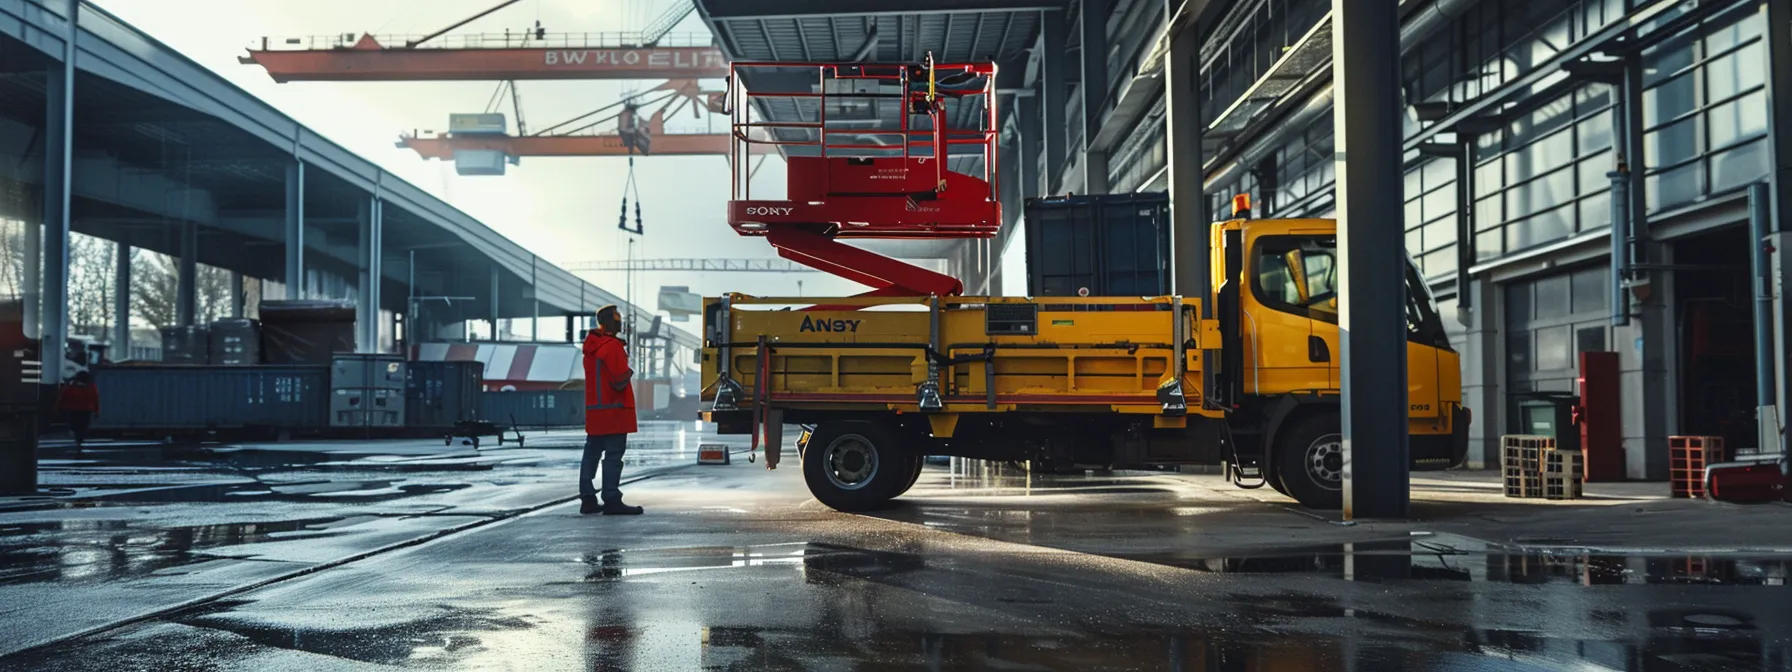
1300 274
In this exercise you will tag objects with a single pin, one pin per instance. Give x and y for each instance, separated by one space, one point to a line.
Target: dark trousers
78 422
607 448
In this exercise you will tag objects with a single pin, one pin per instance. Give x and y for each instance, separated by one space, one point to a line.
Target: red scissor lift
867 178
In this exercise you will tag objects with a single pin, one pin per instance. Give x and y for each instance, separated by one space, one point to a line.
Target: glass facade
1542 177
1494 43
1431 215
1705 112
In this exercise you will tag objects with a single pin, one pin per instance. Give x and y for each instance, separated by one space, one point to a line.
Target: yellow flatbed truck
1111 382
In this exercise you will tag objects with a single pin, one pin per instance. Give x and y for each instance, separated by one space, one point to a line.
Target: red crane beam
367 60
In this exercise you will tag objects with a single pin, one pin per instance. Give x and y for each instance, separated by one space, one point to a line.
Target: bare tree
91 284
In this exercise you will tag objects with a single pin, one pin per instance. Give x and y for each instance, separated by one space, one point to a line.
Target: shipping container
306 332
442 394
367 370
543 408
1107 245
478 123
367 407
185 345
235 342
184 398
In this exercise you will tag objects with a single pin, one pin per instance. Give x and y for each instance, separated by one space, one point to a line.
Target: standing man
609 415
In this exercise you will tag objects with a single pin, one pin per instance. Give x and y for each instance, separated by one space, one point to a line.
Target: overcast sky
563 209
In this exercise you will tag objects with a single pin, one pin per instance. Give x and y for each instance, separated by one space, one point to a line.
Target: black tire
1275 482
1310 461
855 466
920 462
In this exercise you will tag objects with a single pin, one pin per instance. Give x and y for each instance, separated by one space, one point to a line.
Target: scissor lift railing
849 180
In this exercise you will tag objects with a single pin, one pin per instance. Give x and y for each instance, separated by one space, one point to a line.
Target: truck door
1291 318
1428 352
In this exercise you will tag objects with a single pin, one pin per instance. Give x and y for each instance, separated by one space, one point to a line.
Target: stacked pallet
1533 468
1687 458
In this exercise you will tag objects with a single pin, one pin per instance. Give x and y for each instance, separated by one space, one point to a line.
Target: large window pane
1595 211
1490 244
1541 228
1675 187
1743 30
1672 144
1595 132
1592 173
1739 166
1555 348
1667 60
1489 177
1541 194
1738 119
1739 71
1440 233
1670 100
1591 287
1489 213
1440 203
1545 155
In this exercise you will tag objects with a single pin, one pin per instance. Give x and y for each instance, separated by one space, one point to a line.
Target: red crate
1687 458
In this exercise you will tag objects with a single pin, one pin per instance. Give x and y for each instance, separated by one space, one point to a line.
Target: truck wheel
914 475
1310 462
855 466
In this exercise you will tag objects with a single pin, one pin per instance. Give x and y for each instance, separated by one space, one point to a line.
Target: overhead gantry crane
623 132
529 54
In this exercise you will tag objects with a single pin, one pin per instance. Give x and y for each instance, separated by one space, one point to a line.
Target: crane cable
628 188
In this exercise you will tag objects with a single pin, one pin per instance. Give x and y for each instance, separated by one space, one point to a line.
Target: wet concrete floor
734 568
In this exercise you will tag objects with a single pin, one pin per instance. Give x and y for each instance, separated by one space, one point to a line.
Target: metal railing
506 40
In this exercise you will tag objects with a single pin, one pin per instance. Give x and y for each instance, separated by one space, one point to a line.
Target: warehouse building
1518 113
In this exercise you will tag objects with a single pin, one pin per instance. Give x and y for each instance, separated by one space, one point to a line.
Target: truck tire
855 466
915 475
1310 461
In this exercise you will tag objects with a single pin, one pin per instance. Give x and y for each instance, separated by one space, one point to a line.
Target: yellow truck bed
983 354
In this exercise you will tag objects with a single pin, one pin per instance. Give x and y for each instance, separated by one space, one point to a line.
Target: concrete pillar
1646 372
59 125
1094 88
367 309
295 230
1482 373
121 303
1052 76
1365 79
186 291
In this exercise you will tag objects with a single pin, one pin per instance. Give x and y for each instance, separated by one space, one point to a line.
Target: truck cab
1276 282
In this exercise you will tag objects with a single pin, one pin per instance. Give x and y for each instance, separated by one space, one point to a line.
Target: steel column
1188 199
121 303
1372 268
367 309
186 289
494 304
1052 77
59 126
1760 226
295 230
534 303
236 294
1778 36
1094 87
1027 159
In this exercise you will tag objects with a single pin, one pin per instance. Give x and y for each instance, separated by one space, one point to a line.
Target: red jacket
79 398
607 410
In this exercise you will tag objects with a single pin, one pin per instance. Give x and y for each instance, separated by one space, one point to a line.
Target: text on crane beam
652 58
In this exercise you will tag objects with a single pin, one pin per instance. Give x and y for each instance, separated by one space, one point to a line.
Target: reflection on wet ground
115 549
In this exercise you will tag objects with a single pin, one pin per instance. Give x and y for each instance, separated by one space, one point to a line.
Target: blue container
550 408
293 398
1109 245
442 394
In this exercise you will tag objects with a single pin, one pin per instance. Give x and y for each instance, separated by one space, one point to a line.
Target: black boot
588 505
619 509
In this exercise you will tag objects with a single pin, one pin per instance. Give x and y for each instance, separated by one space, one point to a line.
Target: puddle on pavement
1450 558
819 562
74 551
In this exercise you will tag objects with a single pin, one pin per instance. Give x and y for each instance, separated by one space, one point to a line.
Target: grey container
367 407
1110 245
235 342
195 397
442 394
185 345
380 371
545 408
